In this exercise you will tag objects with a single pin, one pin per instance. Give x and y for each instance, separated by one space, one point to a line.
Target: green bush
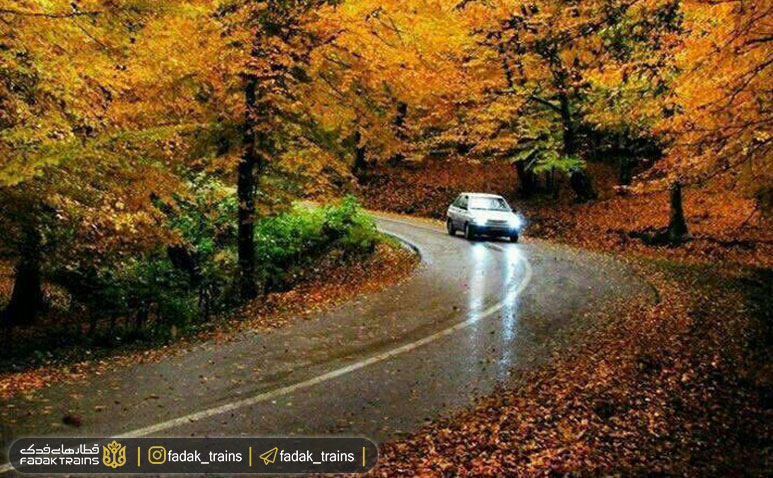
206 220
288 242
154 292
150 292
148 287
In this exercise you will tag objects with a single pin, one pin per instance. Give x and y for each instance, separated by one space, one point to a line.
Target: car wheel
469 232
514 238
450 227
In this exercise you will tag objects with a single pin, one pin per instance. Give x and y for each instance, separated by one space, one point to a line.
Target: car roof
483 195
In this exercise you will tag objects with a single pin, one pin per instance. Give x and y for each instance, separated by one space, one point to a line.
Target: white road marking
271 394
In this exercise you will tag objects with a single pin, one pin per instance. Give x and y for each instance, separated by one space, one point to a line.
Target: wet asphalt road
379 366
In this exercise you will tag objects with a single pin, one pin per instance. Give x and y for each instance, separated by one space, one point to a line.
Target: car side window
463 202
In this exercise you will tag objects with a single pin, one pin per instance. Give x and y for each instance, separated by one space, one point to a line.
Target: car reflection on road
494 265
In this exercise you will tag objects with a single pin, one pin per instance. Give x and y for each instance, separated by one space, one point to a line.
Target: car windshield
491 204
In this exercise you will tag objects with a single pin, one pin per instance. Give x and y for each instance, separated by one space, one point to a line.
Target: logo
269 456
156 455
114 454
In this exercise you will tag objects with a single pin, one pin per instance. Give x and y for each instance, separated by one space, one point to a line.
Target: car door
453 210
461 212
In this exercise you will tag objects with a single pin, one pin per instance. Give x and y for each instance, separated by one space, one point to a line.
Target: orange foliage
724 120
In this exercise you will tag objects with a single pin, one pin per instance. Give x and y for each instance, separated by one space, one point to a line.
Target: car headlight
478 220
515 222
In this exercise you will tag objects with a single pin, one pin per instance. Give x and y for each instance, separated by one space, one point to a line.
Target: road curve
378 366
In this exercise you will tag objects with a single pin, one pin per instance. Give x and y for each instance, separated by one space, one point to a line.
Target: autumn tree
46 103
389 77
552 55
274 46
83 153
722 126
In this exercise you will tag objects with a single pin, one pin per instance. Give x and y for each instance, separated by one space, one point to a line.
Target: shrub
149 292
152 293
144 288
287 243
206 220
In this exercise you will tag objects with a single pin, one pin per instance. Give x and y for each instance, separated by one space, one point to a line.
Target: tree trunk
580 180
141 316
360 164
183 260
582 185
527 180
246 185
402 112
27 296
552 183
677 226
549 180
624 178
765 202
568 125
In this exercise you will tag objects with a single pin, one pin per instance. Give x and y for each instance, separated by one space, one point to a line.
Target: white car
487 214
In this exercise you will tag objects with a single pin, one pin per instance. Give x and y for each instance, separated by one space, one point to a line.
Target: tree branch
77 13
545 102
